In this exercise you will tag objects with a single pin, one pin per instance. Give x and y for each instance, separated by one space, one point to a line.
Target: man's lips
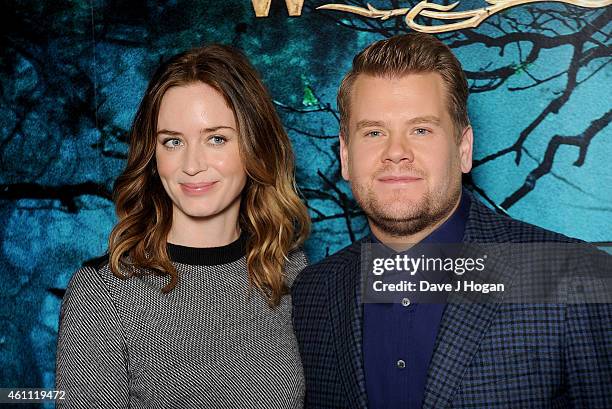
398 179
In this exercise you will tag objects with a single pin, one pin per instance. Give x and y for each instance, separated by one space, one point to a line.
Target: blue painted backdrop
73 72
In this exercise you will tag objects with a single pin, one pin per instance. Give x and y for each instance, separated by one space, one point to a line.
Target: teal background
73 72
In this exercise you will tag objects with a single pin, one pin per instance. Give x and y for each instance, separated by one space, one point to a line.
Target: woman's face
197 153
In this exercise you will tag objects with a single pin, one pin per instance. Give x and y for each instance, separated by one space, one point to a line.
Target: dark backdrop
72 74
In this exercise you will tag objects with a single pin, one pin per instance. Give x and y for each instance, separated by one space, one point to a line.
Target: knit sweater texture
209 343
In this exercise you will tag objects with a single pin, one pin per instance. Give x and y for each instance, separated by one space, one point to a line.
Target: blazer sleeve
92 359
588 354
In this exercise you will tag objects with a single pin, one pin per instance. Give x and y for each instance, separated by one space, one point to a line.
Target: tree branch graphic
469 18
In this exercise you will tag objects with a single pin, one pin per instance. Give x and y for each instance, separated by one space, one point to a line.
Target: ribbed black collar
208 256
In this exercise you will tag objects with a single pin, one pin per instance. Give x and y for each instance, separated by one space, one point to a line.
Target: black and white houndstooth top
209 343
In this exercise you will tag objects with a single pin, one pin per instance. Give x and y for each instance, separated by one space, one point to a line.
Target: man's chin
408 194
398 217
400 209
399 224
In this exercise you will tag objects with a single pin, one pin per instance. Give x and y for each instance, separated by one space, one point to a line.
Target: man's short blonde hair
409 54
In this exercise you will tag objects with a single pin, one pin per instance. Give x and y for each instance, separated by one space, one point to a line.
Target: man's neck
400 243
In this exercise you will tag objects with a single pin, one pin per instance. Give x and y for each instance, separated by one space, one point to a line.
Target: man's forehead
420 94
398 78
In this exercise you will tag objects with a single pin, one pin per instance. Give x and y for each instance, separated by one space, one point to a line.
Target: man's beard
400 218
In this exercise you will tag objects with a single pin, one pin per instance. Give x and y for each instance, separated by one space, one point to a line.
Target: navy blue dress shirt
398 339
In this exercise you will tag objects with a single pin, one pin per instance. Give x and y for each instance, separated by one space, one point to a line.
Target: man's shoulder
347 257
486 225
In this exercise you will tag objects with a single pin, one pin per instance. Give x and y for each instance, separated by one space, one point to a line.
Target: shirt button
405 302
401 364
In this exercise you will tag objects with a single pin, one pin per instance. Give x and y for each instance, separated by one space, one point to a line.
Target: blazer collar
464 323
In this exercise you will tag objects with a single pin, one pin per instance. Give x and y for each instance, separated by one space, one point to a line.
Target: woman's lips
195 189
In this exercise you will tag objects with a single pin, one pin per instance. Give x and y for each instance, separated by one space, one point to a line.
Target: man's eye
172 143
421 131
374 134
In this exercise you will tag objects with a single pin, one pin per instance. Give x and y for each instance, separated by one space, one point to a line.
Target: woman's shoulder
97 263
93 277
296 261
90 291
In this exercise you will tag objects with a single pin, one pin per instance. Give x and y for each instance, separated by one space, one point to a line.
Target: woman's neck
216 231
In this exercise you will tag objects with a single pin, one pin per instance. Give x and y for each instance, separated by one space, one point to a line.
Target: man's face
402 156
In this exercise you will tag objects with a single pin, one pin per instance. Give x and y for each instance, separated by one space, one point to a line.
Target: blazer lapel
464 323
346 317
461 329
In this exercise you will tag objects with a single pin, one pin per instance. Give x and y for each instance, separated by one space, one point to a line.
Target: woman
190 307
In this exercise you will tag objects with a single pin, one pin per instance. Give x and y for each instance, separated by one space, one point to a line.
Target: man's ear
466 145
344 156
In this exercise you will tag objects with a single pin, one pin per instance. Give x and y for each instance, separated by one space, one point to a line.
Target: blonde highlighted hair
271 212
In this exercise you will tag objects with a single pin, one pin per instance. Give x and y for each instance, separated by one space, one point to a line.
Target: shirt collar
208 256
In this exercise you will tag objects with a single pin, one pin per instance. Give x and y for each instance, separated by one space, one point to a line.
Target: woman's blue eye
217 140
172 143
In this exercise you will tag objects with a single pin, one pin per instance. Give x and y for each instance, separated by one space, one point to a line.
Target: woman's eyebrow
202 131
216 128
168 132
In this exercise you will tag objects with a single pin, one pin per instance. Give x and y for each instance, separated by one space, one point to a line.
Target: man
405 141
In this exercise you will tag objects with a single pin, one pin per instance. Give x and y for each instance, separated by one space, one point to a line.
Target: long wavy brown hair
274 218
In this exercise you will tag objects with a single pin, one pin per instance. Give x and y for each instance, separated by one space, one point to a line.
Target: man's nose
398 149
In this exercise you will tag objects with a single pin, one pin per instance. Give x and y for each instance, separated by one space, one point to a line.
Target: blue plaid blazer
488 355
